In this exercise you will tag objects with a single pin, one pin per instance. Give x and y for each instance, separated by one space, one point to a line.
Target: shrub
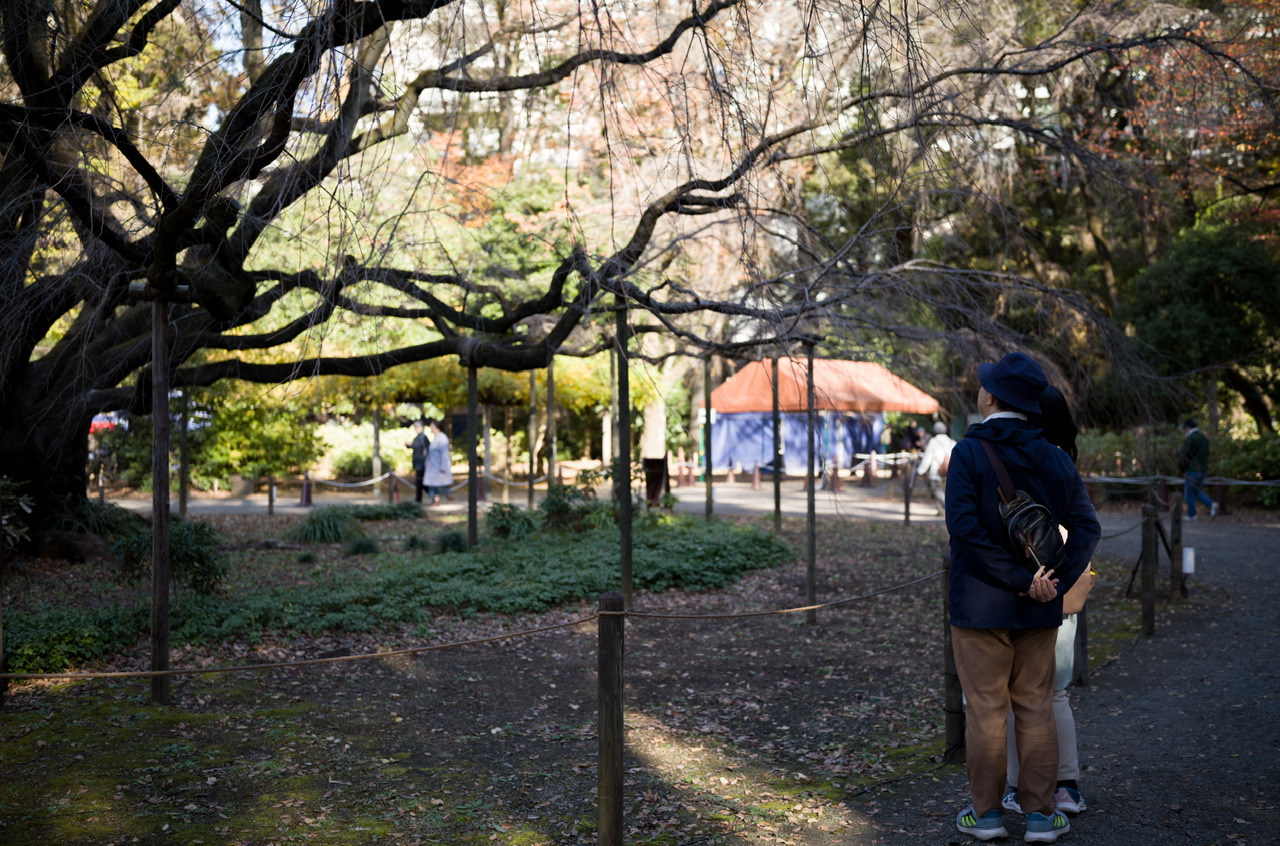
1145 451
452 542
327 524
1154 452
564 506
362 546
1249 459
248 432
414 542
196 556
599 515
384 511
14 506
511 522
195 560
358 464
105 519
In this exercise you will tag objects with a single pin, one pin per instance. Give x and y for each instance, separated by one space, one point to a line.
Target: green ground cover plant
340 523
527 575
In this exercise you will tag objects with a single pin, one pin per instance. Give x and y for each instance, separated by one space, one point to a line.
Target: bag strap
1007 491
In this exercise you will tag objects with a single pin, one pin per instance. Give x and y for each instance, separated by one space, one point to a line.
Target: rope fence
280 665
355 484
1209 480
511 483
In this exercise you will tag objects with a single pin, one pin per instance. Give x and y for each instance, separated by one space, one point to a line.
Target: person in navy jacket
1005 618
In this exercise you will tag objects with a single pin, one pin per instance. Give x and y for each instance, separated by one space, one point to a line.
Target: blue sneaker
1042 829
989 826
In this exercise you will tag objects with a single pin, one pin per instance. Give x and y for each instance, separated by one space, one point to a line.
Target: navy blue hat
1015 380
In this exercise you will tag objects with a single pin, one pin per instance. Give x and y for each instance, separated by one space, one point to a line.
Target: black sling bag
1032 529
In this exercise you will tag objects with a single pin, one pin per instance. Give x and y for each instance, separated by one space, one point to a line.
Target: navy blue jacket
986 577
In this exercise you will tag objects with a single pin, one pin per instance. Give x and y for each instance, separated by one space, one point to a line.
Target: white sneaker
1213 509
1009 801
1190 519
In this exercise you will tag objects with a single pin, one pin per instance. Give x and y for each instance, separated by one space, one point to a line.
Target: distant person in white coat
438 473
933 462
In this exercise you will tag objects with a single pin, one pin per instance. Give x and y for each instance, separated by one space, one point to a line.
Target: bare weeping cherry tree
344 186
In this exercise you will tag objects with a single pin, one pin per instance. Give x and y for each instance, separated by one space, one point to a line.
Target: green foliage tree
240 431
1208 306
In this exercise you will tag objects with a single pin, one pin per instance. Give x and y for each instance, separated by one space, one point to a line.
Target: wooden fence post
473 434
908 486
952 696
811 571
1150 555
609 731
161 340
1177 579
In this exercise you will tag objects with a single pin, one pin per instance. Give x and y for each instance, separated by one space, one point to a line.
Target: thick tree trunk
1254 402
50 453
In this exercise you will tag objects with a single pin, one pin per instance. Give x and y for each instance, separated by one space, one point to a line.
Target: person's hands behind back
1043 586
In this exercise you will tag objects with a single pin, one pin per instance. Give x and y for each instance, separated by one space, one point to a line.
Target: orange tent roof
838 386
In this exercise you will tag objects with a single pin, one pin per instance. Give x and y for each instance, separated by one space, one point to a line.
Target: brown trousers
1001 669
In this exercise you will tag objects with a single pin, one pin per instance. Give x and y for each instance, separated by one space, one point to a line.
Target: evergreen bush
327 524
195 557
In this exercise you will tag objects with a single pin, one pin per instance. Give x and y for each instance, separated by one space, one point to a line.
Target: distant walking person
438 476
419 445
934 460
1193 458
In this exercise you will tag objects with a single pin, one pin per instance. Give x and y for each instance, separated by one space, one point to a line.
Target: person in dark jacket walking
1193 455
419 445
1004 617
